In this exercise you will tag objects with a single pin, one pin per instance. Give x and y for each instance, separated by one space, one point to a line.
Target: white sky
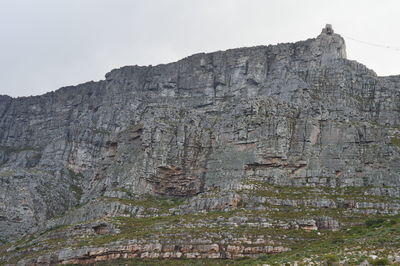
47 44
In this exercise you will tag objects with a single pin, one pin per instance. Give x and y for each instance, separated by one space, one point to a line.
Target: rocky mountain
235 153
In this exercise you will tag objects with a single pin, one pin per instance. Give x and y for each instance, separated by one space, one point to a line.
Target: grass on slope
380 236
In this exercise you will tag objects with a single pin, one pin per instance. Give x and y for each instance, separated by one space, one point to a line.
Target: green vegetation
77 191
75 175
359 232
379 262
76 178
331 259
163 204
129 193
264 189
10 149
303 243
6 173
375 233
395 141
101 131
374 223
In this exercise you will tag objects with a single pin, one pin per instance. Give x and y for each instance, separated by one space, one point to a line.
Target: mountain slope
265 140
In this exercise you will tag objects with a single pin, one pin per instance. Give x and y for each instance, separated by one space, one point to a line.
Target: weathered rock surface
134 249
289 115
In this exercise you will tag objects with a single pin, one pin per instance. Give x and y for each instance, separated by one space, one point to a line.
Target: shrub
395 141
243 258
379 262
374 223
331 259
337 240
356 230
263 257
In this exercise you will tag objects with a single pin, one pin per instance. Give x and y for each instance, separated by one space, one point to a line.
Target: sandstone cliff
265 129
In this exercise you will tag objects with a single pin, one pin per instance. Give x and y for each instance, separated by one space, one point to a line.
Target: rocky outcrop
207 129
153 251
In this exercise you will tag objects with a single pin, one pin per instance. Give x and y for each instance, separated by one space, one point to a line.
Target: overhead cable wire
373 44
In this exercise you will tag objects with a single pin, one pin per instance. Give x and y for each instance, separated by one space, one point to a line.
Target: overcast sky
47 44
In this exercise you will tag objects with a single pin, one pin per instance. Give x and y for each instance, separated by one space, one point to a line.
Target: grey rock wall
292 114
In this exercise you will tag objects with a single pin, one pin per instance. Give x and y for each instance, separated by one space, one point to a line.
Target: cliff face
296 115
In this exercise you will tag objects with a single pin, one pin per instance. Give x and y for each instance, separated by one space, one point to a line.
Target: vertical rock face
294 114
